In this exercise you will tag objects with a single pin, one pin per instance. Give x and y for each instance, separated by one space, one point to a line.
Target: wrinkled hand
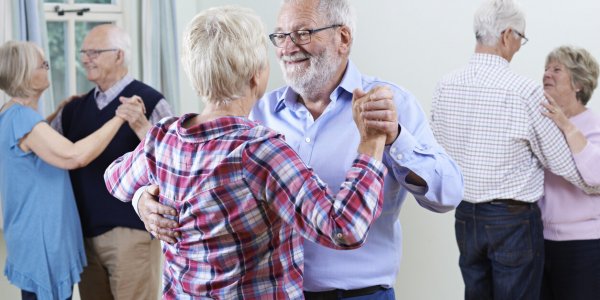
358 98
556 114
133 111
372 141
151 213
380 112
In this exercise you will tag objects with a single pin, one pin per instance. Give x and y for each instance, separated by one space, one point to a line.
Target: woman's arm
574 137
584 149
276 174
58 151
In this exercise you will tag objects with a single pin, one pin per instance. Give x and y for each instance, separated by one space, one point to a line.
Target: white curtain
5 35
159 47
29 24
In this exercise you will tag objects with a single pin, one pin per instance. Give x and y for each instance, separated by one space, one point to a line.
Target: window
68 21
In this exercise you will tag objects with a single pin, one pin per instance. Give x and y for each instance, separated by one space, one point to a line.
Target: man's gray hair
339 12
119 38
495 16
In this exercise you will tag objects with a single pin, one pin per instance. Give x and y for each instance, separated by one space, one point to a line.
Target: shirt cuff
136 199
402 148
364 161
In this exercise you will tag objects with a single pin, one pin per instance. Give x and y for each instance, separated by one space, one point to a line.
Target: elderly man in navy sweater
123 260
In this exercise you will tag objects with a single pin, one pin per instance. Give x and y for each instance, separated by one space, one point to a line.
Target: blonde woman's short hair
222 48
18 61
582 67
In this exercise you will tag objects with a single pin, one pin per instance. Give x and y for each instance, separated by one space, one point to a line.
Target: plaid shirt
489 120
240 191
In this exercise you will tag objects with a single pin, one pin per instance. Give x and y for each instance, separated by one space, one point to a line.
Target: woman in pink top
571 217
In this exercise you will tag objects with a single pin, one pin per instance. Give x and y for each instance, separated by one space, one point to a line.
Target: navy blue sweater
98 210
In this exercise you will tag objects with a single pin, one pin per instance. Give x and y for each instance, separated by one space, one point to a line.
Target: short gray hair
494 16
222 48
582 67
339 12
18 62
120 39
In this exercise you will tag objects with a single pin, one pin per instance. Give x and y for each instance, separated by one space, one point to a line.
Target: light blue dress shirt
328 145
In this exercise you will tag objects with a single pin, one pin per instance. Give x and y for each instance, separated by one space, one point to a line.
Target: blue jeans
501 248
387 294
571 270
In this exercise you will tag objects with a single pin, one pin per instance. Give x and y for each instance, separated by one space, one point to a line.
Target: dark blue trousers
501 248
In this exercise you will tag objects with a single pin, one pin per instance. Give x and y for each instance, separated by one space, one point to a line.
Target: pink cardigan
567 212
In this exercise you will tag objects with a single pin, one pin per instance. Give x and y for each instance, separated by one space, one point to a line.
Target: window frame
113 13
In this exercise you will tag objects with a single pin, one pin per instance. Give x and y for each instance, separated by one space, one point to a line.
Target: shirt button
307 140
399 156
393 150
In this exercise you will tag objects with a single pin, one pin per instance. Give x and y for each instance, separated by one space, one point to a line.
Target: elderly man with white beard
314 111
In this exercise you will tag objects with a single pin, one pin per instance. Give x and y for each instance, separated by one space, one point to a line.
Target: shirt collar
114 90
212 129
488 59
351 80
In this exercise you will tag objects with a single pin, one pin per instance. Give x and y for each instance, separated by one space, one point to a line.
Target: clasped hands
375 112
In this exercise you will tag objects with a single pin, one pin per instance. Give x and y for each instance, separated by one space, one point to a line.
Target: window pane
95 1
55 1
81 30
58 64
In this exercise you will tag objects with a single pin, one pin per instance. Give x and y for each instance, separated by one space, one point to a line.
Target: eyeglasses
298 37
524 39
93 53
45 65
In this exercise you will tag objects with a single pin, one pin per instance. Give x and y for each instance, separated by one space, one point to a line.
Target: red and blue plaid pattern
244 199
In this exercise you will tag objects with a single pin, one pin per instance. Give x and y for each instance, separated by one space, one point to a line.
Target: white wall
413 43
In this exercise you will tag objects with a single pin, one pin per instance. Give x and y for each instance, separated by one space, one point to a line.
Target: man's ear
505 35
120 57
345 40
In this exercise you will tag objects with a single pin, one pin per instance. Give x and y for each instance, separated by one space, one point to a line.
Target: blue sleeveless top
45 253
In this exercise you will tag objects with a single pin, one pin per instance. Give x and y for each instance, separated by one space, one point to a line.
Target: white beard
306 82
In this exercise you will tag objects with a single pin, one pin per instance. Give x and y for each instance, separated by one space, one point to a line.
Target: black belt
340 294
508 202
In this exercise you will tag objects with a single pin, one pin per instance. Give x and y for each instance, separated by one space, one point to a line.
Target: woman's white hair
222 48
18 61
495 16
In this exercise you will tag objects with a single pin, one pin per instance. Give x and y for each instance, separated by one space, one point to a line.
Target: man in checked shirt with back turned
489 120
